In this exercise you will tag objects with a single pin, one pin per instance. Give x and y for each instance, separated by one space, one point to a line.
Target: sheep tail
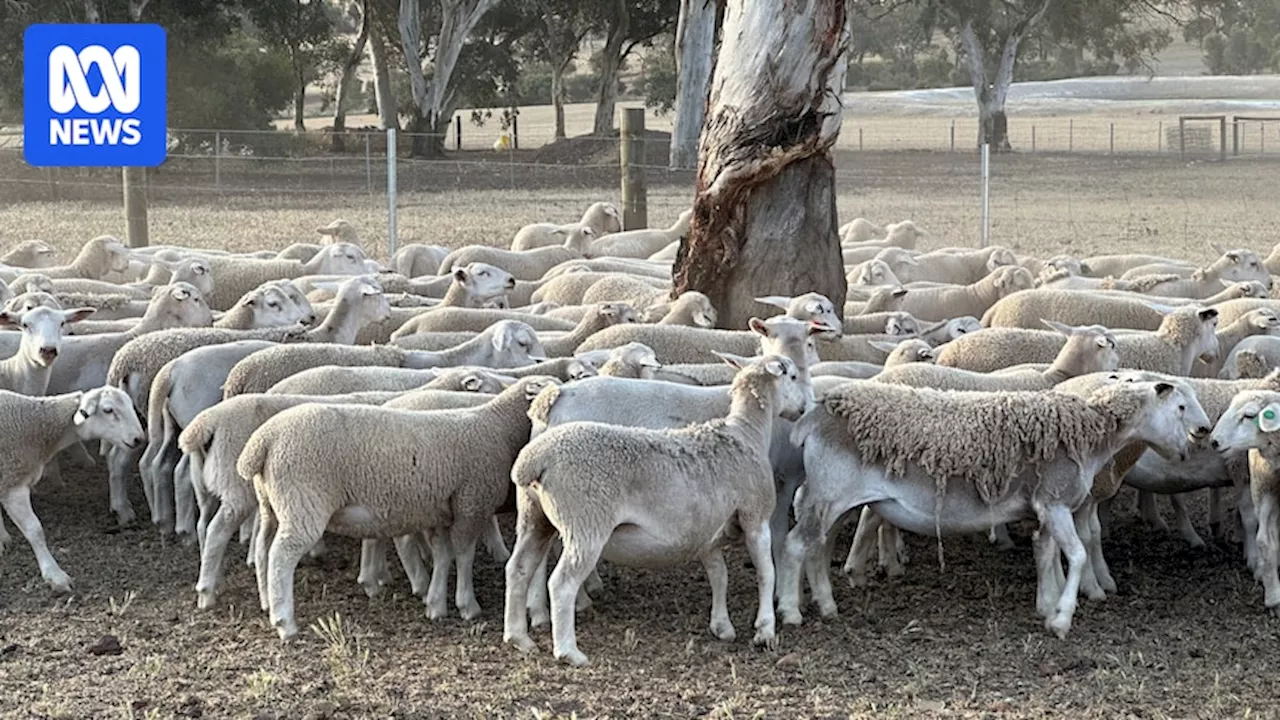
529 467
253 459
197 437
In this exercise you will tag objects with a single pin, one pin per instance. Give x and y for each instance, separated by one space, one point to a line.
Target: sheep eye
107 410
1249 416
273 305
1182 408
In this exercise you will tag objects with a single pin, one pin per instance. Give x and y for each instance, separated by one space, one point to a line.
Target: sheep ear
899 291
1217 248
87 408
732 360
179 293
758 327
77 314
777 301
1208 314
472 383
608 309
1055 325
502 338
10 319
775 368
370 290
1163 389
1103 341
1269 418
893 326
701 320
881 345
909 259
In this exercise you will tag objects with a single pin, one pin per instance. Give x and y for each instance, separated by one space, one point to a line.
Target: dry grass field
1186 636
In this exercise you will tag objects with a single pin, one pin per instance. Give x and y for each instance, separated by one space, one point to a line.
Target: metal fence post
515 131
217 160
953 136
635 201
368 166
1071 134
859 138
1160 137
391 192
1033 138
457 132
986 193
1112 138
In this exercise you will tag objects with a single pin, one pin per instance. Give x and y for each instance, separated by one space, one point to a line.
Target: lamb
881 299
263 307
305 489
895 258
942 303
233 276
416 259
1247 364
1088 349
1249 426
875 273
1262 353
565 487
360 303
96 259
30 254
660 271
1026 309
859 230
523 265
811 307
904 234
599 317
1261 322
692 309
641 243
1065 280
1020 455
565 369
1117 265
572 288
961 268
192 269
505 344
1233 266
471 287
27 372
36 429
894 322
455 319
602 217
678 344
633 360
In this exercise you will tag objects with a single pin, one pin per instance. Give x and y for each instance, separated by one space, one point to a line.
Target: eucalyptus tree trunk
610 62
346 81
384 93
695 40
764 211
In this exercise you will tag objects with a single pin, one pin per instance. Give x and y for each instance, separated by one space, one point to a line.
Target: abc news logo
94 95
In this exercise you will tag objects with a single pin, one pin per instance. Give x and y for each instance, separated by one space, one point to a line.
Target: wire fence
1072 183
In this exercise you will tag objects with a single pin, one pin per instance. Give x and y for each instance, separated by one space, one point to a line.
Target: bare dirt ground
1186 636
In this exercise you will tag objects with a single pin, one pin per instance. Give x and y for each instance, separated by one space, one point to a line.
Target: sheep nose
1215 444
511 284
48 353
1201 432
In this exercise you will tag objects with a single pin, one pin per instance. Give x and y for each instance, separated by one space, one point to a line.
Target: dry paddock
1185 637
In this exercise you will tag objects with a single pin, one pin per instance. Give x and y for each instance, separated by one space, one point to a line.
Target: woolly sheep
959 268
360 303
679 344
471 287
233 277
875 273
1026 309
660 271
641 243
38 281
594 485
1233 266
416 259
811 307
1015 448
523 265
880 299
895 258
34 429
461 319
304 488
190 269
692 308
602 217
894 322
97 258
904 234
1231 310
1263 352
27 372
580 288
599 316
1263 321
1118 265
942 303
30 254
262 307
859 230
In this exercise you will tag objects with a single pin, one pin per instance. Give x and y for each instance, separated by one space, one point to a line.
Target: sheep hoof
371 589
205 600
287 629
723 630
593 584
790 617
573 657
469 610
523 643
1095 593
1108 584
895 571
857 580
126 518
1195 541
59 581
1060 625
437 611
766 636
827 610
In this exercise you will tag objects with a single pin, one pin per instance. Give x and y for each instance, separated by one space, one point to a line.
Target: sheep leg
1249 521
760 547
465 535
780 520
1088 578
534 533
1149 512
292 540
373 566
17 503
1182 521
163 488
246 531
1268 546
118 469
594 584
819 574
206 502
261 547
579 558
441 559
718 576
805 534
5 538
998 535
494 543
1048 589
409 551
1104 518
538 603
893 552
184 501
1063 528
855 564
146 470
221 528
1216 531
1096 558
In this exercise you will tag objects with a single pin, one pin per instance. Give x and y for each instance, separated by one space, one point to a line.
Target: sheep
303 487
360 304
523 265
37 428
895 258
563 368
893 322
959 268
812 307
96 259
212 441
456 319
602 217
641 244
233 276
1042 268
942 303
1262 353
904 234
1065 280
572 288
1233 266
881 299
1259 322
660 271
1019 454
192 269
591 484
38 281
599 316
692 309
1117 265
859 230
679 344
1026 309
30 254
504 344
470 287
1248 364
415 259
1249 426
875 273
27 372
262 307
1088 349
633 360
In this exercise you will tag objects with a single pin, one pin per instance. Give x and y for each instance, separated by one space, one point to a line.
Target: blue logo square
94 95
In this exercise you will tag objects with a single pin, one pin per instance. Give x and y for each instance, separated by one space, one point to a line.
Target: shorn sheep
27 372
305 487
602 217
641 243
635 496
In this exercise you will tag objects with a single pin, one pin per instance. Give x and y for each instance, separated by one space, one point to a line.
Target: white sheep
96 259
27 372
602 217
603 488
235 276
526 264
859 230
641 243
37 428
30 254
943 303
416 259
1026 309
304 488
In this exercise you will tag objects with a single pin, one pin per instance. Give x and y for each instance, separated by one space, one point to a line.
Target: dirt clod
106 645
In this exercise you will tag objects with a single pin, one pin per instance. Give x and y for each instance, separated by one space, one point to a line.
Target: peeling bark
695 40
764 213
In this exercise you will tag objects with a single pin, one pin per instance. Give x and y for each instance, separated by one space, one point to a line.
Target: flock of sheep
280 396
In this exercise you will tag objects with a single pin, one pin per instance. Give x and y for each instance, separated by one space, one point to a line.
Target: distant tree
626 25
1239 37
298 28
559 27
347 73
692 59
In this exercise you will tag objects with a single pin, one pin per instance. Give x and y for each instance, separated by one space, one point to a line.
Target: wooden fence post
635 202
134 184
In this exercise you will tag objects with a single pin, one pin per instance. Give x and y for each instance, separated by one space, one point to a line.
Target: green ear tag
1269 414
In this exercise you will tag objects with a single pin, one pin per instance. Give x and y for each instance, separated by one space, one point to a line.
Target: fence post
1071 134
859 138
1262 137
391 192
953 136
1222 138
1033 138
1235 137
1160 137
635 201
1182 139
368 166
1112 138
515 131
135 205
986 192
457 132
217 160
